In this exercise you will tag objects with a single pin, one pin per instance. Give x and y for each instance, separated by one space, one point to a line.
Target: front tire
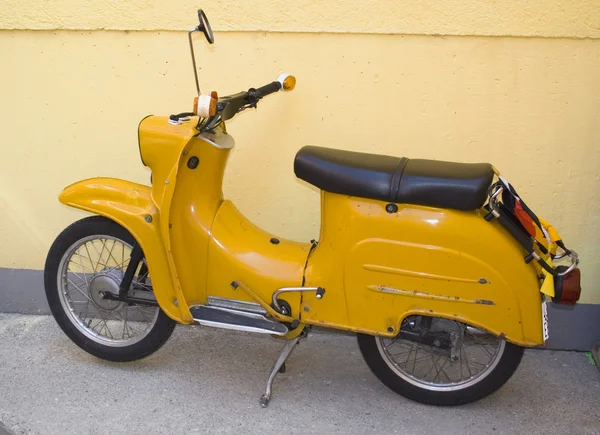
424 373
87 259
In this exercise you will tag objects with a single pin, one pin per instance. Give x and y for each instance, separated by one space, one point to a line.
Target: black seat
461 186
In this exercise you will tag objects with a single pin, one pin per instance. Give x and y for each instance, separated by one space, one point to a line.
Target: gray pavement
209 381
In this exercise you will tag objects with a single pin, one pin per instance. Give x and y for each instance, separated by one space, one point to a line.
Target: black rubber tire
507 365
156 337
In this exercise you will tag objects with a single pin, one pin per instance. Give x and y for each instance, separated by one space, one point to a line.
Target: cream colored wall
549 18
72 100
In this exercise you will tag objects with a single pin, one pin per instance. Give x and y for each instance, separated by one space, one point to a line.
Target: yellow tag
548 285
554 236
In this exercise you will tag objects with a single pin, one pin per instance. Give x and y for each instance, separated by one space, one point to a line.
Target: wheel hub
106 281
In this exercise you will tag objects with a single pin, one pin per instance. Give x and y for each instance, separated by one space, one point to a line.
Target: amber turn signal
288 82
206 105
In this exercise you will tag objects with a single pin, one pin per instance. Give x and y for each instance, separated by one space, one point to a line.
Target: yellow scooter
440 268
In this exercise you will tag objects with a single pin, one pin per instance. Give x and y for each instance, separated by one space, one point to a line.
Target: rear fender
131 206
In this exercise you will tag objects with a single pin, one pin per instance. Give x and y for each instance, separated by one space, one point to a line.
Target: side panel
128 204
195 203
379 267
239 250
187 172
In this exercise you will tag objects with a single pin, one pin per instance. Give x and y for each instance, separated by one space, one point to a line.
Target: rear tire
399 382
57 279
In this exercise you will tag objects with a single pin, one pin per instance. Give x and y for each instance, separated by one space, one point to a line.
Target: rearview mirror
204 27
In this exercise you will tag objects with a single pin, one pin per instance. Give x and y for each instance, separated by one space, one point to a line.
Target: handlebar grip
265 90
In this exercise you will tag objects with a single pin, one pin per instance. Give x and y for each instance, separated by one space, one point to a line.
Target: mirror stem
194 58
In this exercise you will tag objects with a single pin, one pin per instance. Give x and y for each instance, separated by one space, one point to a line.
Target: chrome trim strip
238 327
418 294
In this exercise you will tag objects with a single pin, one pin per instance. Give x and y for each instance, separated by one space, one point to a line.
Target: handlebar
265 90
229 106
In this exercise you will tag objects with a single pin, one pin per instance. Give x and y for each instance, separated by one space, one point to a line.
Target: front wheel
441 362
87 261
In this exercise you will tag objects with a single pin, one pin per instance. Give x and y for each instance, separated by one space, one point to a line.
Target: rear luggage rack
565 280
498 210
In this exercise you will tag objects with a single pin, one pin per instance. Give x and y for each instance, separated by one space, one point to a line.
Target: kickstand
277 368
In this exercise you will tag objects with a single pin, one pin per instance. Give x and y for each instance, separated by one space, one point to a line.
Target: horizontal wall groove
291 33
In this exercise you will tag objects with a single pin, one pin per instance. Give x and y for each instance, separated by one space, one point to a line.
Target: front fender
131 206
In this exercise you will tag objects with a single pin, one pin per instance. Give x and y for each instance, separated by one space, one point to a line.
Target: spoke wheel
92 267
83 273
475 355
444 363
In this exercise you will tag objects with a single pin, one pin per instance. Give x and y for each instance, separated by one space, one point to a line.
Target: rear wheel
85 266
441 362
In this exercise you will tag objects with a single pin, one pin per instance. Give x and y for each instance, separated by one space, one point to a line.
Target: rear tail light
567 287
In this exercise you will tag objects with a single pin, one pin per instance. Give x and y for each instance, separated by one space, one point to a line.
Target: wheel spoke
433 365
124 328
441 369
462 351
108 329
87 307
142 313
475 363
77 288
130 326
394 341
76 275
80 262
93 328
402 353
104 248
405 350
89 257
98 263
110 254
418 360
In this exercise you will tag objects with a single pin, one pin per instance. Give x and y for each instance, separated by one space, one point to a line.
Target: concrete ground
209 381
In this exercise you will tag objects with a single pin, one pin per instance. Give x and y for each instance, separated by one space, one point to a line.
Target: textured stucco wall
73 98
549 18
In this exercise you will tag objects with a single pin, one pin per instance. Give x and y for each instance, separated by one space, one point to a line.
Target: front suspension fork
135 259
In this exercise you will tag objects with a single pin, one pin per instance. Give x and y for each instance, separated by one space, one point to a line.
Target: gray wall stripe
572 328
22 291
